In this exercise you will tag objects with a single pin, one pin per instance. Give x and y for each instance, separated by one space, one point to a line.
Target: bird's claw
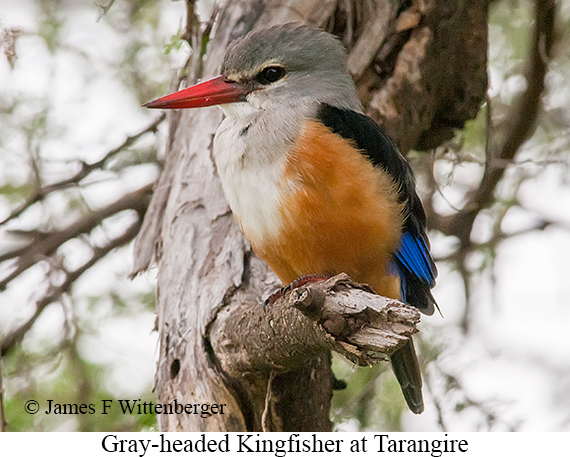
296 283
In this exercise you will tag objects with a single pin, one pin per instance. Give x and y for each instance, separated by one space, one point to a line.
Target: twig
212 21
104 9
266 416
500 163
14 337
524 117
3 422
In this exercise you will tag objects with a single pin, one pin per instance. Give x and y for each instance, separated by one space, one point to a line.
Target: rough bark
275 366
420 68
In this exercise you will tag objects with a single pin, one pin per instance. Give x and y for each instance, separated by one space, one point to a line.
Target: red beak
215 91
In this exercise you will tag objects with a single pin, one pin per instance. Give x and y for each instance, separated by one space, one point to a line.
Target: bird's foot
296 283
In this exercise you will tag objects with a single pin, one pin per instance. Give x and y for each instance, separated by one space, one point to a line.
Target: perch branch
336 314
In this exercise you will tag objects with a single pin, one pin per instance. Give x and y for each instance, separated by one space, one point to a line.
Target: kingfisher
317 186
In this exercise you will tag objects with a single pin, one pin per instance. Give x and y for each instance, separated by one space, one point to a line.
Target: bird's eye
271 74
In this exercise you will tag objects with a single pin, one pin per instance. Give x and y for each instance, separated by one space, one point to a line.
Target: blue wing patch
414 255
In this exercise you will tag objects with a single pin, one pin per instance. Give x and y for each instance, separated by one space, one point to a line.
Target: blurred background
79 156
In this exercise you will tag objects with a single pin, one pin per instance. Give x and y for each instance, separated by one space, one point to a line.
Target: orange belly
342 215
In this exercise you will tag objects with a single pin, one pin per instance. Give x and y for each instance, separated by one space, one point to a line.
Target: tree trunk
420 67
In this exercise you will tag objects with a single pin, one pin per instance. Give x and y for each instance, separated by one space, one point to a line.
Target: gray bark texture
420 67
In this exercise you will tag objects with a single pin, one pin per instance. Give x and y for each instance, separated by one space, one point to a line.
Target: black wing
413 259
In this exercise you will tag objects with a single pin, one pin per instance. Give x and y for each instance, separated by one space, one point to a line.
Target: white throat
250 150
238 110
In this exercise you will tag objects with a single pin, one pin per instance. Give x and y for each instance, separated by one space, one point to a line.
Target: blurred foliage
59 358
372 397
66 379
50 24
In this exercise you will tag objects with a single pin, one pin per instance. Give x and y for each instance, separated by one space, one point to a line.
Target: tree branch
522 127
14 337
522 124
86 168
428 76
289 343
45 244
336 314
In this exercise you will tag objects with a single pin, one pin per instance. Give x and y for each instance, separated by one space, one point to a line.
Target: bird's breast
251 164
319 206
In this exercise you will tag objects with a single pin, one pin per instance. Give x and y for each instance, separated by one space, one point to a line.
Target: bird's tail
407 370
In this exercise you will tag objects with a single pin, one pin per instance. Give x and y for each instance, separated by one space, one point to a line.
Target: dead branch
336 314
271 357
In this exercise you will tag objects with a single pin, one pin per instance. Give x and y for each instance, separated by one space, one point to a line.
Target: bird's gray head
286 66
291 64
